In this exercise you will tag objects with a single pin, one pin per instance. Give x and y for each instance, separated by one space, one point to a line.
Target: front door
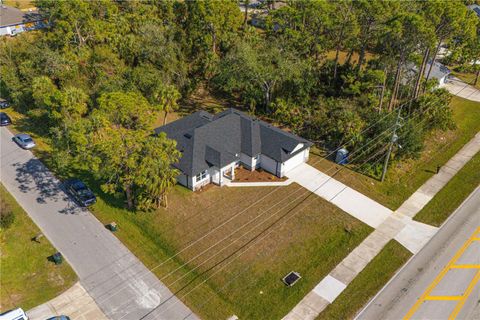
215 174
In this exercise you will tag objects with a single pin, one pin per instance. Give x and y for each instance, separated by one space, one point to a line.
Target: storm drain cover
291 278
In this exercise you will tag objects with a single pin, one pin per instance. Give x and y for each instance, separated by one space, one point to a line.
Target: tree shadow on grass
33 123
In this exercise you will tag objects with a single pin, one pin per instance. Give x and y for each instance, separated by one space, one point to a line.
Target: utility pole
392 141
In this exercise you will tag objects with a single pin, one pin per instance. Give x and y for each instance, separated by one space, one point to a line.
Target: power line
262 238
265 235
272 192
242 211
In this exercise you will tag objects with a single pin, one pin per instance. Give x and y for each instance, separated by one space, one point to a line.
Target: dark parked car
4 104
80 192
5 119
59 318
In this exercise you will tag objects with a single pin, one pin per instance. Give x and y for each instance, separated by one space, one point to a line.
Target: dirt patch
55 279
259 175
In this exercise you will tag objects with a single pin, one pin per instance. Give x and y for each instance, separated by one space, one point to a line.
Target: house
14 21
475 8
212 146
439 72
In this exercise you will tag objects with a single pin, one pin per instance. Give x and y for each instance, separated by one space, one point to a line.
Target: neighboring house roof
207 140
438 71
10 16
475 8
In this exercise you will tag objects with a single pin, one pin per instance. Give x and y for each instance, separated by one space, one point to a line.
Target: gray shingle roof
10 16
438 70
207 140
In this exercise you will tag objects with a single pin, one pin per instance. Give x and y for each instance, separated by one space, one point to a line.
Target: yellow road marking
466 266
440 276
444 298
469 290
476 239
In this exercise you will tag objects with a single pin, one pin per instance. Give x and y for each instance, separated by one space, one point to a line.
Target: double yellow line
451 265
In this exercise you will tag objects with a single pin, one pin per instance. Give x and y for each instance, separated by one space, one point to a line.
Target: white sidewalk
75 303
427 191
393 225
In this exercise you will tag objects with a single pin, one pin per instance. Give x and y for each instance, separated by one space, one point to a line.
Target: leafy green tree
119 148
450 18
435 111
371 17
404 34
257 70
344 29
155 174
165 99
210 26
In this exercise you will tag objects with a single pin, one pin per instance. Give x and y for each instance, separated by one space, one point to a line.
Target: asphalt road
442 280
119 283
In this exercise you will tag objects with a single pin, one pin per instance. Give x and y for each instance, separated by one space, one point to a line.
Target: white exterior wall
214 173
294 161
198 184
268 164
5 31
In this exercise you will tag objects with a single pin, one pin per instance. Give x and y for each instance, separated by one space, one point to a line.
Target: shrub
7 217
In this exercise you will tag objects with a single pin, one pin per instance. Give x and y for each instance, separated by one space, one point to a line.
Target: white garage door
293 162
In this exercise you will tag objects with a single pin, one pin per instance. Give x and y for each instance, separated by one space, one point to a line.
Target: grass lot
312 243
19 4
375 275
342 56
250 286
406 177
27 278
452 195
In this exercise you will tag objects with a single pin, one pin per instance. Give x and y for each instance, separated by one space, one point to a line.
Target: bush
7 217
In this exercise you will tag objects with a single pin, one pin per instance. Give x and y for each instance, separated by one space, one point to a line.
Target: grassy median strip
375 275
452 195
27 278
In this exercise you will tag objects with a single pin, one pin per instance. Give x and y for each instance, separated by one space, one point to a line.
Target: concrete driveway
459 88
118 282
351 201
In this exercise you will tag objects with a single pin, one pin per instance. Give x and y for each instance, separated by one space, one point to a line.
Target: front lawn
452 195
27 278
312 243
368 282
307 235
404 178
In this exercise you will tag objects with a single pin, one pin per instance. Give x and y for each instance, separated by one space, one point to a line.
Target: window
201 176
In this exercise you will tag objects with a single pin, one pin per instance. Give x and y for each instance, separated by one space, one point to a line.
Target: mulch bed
259 175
